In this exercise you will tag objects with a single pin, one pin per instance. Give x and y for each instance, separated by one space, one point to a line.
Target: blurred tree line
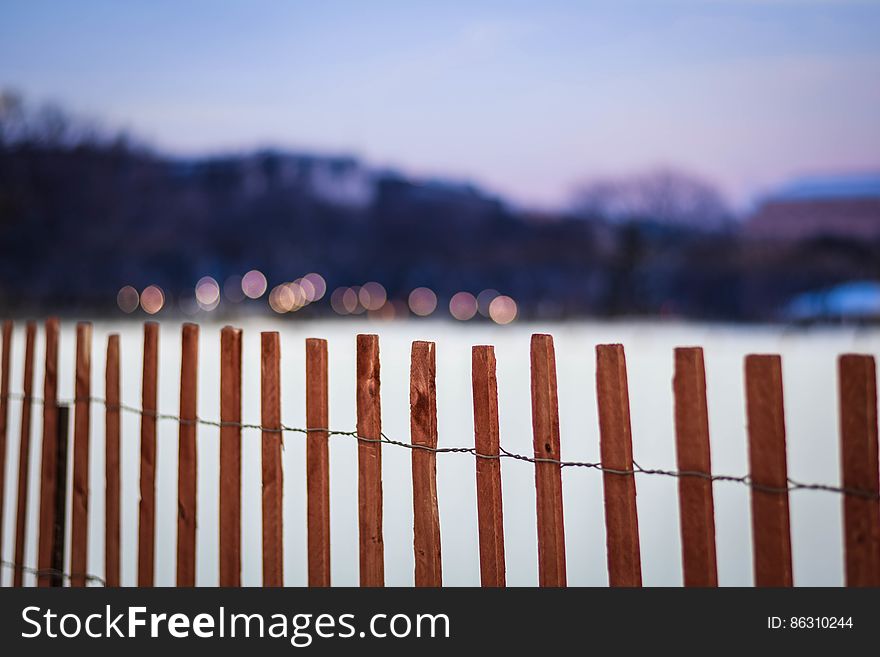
84 211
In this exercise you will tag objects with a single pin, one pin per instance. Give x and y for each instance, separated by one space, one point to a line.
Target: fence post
79 516
859 461
615 443
369 427
147 507
111 464
187 468
768 471
24 454
59 518
696 506
273 476
423 429
548 476
317 463
4 417
488 466
230 456
48 466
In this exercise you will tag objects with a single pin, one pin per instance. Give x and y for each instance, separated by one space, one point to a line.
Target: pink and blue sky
524 98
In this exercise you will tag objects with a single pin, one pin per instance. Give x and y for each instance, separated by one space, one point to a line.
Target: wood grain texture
696 504
423 432
273 477
615 442
317 463
24 452
857 376
5 355
490 516
187 466
548 476
771 533
112 427
79 510
147 505
230 457
369 425
48 469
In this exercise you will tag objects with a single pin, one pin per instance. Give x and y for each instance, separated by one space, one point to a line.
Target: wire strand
746 480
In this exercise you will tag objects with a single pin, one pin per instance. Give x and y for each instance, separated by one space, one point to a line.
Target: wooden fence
768 478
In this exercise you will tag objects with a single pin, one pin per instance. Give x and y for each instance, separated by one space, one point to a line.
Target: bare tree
664 195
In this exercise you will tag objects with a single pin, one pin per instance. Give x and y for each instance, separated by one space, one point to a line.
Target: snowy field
809 369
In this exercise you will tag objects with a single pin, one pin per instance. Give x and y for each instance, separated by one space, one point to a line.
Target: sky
526 99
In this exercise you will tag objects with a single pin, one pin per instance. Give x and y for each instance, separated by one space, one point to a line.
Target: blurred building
845 207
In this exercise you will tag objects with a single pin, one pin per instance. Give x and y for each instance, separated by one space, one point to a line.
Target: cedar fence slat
615 442
317 463
696 505
423 428
548 476
147 506
4 418
79 516
24 454
767 467
187 459
48 469
369 426
860 468
273 476
230 457
111 463
488 470
56 563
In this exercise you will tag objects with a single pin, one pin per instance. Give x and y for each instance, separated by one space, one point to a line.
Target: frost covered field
809 369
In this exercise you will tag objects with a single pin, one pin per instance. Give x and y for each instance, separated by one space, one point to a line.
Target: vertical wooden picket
147 506
615 442
423 428
696 505
317 463
79 516
48 470
24 454
768 471
4 418
548 475
861 469
369 427
488 467
187 472
111 463
273 477
230 456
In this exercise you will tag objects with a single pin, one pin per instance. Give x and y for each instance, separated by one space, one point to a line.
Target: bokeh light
463 305
422 301
350 301
232 289
207 293
318 283
336 301
152 299
372 296
254 284
127 299
502 310
386 313
281 299
484 299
